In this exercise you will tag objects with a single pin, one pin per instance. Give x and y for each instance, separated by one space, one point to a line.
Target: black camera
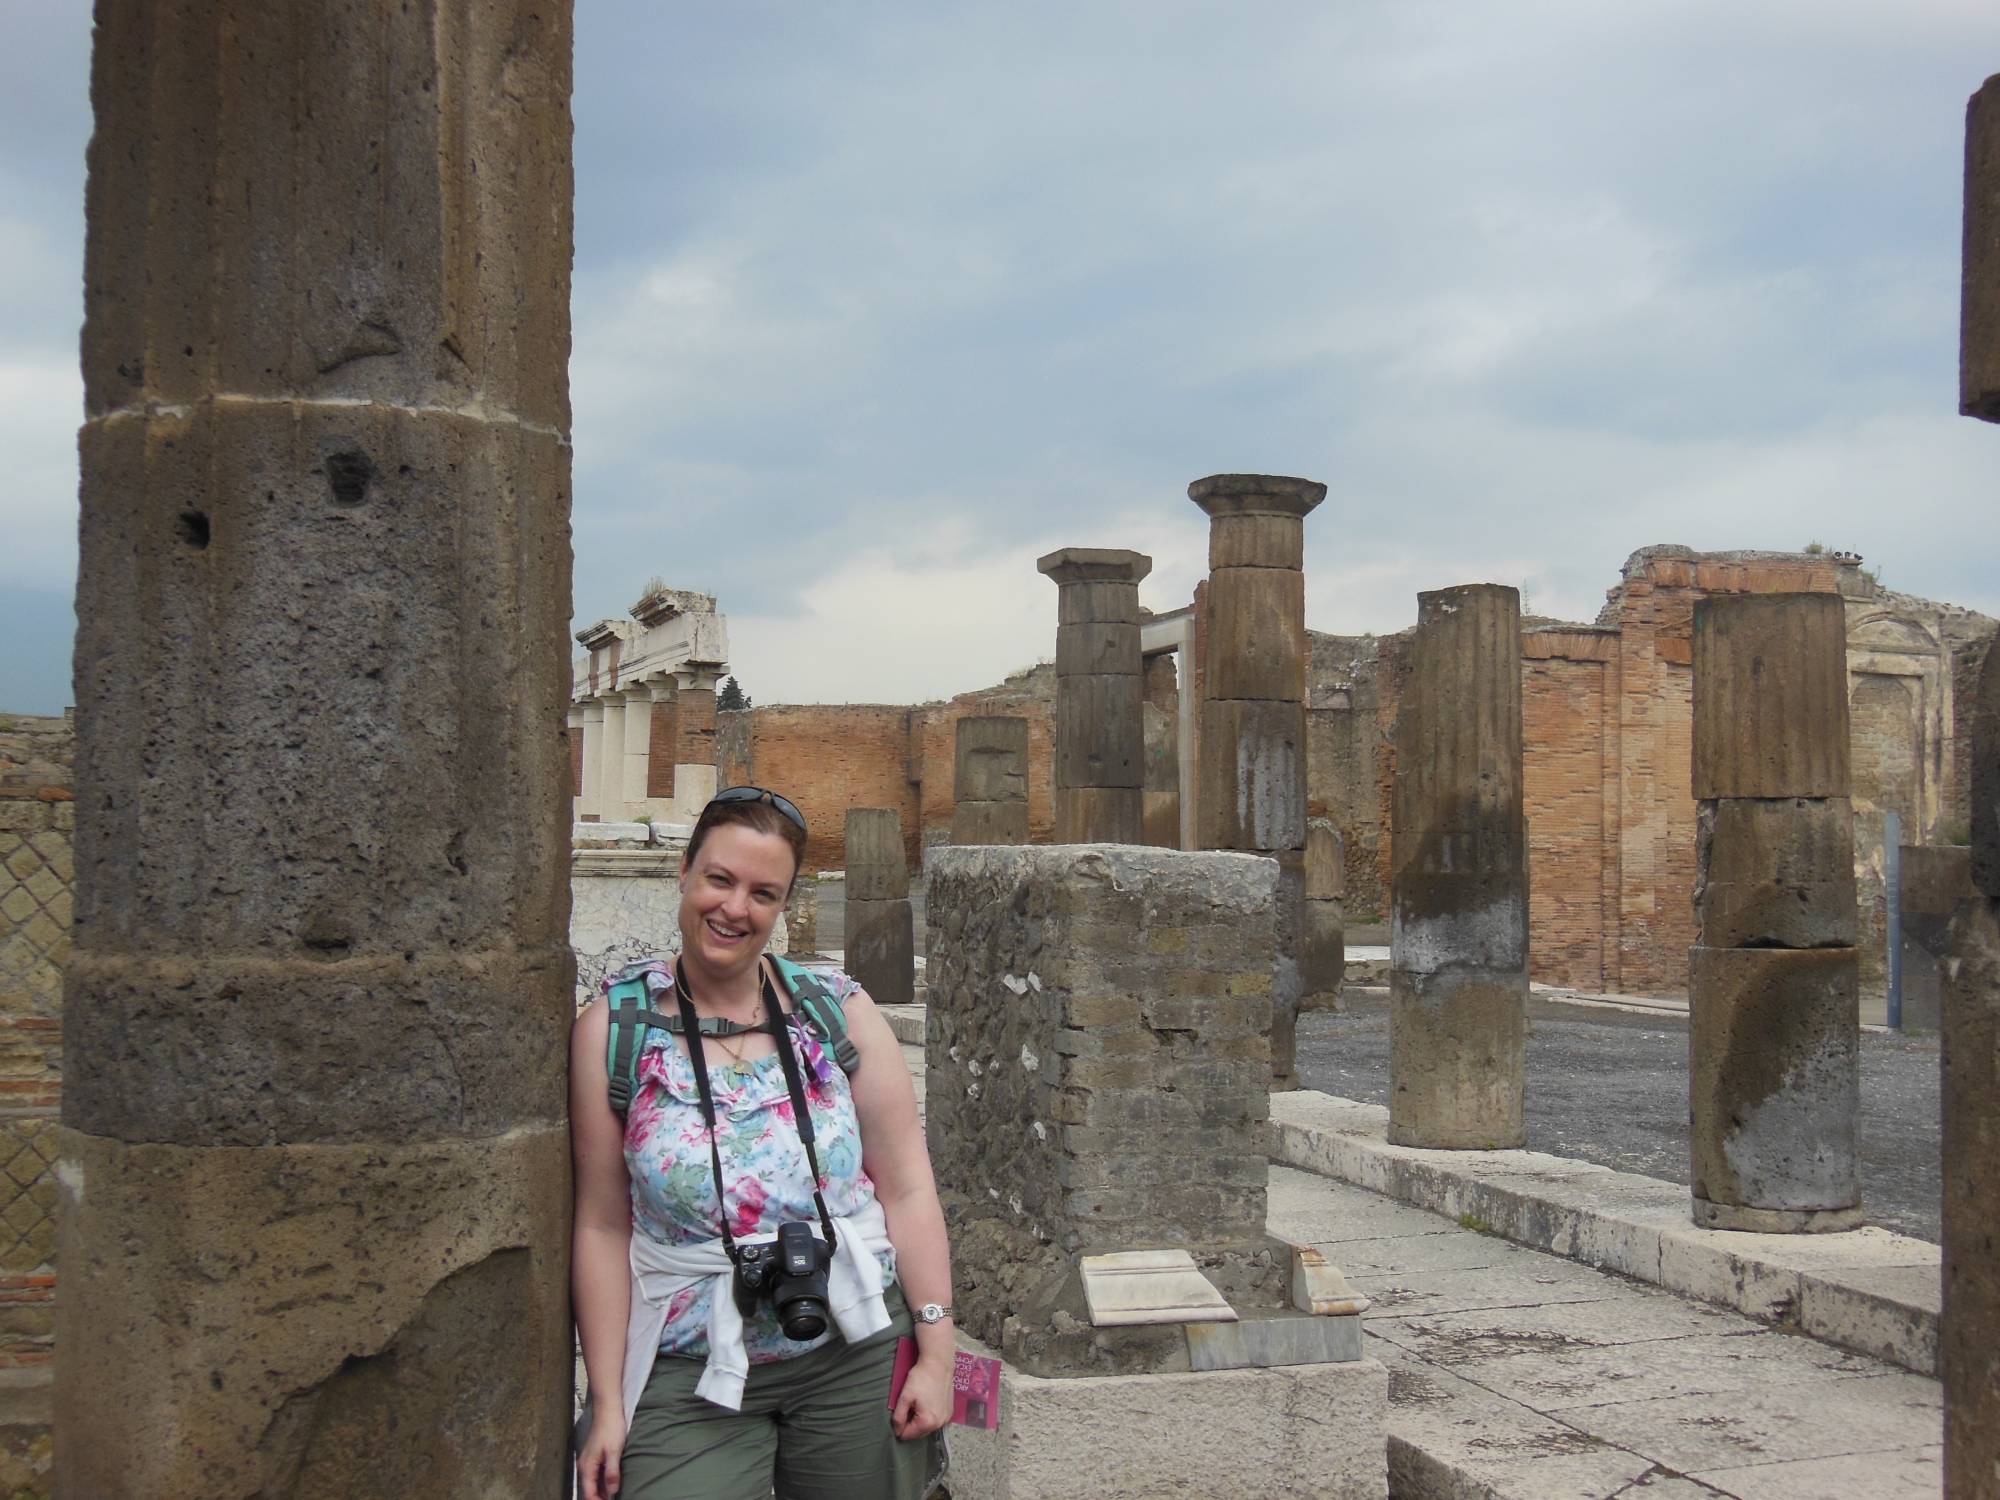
791 1271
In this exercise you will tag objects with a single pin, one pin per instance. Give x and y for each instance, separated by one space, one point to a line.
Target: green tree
732 695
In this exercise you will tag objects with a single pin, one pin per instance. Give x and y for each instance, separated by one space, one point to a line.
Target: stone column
1458 962
1969 1327
1936 879
879 937
1773 999
591 804
1323 962
315 1156
990 780
574 723
1100 735
694 724
638 749
611 758
1251 775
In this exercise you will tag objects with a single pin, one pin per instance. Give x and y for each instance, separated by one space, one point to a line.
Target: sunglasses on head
758 794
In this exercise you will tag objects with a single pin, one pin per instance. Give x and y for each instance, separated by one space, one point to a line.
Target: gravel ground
1610 1087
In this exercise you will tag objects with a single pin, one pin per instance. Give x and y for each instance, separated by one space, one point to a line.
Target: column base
1734 1216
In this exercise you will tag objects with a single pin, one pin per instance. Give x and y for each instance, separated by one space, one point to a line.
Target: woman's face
731 895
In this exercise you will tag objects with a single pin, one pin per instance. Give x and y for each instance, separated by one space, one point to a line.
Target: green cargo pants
815 1427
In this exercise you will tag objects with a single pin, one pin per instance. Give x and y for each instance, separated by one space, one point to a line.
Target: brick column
1773 1003
315 1155
694 724
879 938
1458 965
1251 772
1969 1327
990 780
590 806
1100 747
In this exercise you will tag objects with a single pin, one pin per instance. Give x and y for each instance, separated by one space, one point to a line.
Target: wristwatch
930 1312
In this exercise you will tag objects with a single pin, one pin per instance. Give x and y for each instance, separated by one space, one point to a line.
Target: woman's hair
760 816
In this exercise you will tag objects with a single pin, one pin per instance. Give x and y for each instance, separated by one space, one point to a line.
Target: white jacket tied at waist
853 1296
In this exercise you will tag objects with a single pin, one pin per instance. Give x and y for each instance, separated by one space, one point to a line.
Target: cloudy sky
875 303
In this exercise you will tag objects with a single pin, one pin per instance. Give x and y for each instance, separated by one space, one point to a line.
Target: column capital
700 677
1256 495
1068 565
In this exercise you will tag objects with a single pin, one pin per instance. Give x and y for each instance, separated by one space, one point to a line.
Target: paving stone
1662 1369
1150 1286
1524 1282
1467 1338
1906 1474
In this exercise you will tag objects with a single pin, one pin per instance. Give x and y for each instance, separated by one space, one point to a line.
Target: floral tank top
764 1167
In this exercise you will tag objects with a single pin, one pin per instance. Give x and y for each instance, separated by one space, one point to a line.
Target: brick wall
662 747
36 871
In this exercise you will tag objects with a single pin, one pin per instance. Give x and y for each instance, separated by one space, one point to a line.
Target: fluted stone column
1773 1000
591 803
1100 751
1458 960
879 938
315 1156
611 757
694 725
1969 1326
990 780
1251 757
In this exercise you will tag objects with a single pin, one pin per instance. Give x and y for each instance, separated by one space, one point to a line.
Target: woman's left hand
925 1404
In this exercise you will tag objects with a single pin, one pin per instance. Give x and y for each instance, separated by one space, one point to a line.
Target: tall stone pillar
314 1166
611 758
1323 961
1773 998
591 804
879 939
1969 1327
990 780
1458 937
1100 732
638 751
694 724
1251 772
573 721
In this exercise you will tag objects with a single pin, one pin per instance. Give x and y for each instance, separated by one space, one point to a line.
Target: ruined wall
37 866
828 757
1567 688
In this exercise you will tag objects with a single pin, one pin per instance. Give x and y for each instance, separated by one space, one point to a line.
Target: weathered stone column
1100 735
1773 1000
315 1160
1458 937
990 780
591 804
694 723
611 756
1323 962
1251 776
573 722
638 750
1969 1327
1936 879
879 936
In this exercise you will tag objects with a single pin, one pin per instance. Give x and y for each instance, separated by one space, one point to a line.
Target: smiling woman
751 1209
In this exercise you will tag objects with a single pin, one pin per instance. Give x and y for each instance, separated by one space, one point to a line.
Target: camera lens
803 1318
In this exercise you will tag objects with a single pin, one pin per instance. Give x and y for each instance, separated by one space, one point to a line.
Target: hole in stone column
193 528
349 474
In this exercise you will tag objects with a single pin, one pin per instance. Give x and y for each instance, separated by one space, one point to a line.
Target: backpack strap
630 1017
822 1011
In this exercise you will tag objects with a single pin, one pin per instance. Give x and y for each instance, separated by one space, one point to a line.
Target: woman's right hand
597 1475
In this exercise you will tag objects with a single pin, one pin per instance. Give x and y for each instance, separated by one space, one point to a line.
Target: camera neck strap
774 1026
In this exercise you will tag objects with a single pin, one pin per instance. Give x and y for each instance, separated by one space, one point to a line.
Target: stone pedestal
1773 999
878 943
990 780
1251 763
315 1160
1100 744
1458 975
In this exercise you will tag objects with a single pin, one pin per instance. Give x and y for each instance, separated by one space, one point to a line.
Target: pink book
975 1386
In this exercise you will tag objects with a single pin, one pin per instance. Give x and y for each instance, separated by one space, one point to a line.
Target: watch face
930 1312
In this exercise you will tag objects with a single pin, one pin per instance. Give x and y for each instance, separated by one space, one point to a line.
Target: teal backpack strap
822 1011
630 1017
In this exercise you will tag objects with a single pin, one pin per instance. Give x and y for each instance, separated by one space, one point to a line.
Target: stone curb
1867 1290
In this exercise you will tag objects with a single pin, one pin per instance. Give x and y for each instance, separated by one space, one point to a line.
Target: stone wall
36 870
